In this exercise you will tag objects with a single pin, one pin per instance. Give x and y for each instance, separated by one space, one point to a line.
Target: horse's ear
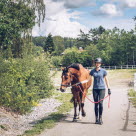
62 68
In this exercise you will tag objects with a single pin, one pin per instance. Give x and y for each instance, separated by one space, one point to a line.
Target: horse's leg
82 104
79 102
80 114
75 110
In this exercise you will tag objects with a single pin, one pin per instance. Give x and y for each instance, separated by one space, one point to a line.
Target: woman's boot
100 120
97 120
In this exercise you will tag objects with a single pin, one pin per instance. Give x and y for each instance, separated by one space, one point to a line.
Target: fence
117 67
105 67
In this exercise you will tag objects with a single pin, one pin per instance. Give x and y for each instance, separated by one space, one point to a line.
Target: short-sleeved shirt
98 78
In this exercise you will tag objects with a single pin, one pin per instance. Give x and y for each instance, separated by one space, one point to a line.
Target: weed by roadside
132 94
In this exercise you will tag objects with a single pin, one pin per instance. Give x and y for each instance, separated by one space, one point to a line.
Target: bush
56 61
75 56
23 82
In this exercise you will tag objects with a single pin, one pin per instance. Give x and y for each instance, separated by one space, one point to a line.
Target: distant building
81 49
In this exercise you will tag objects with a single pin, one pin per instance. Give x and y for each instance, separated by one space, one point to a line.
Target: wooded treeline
114 46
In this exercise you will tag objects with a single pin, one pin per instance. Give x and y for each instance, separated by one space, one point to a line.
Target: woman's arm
107 82
108 86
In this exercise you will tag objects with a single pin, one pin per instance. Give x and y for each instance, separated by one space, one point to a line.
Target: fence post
115 67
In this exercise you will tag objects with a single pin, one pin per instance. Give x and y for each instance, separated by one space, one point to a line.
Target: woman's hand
109 91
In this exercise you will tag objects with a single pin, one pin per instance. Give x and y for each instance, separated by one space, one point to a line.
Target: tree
59 45
95 34
83 40
49 46
16 18
39 41
38 6
93 52
16 23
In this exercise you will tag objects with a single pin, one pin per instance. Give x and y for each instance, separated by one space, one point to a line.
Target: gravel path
16 125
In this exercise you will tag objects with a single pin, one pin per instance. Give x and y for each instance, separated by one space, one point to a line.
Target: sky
66 17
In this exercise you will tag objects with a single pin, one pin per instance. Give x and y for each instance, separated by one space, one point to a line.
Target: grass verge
50 121
132 93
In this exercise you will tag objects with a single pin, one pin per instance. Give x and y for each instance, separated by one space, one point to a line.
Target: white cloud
129 3
76 3
108 10
109 23
123 3
59 21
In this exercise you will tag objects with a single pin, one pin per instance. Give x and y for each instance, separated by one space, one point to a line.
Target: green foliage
92 51
73 55
83 40
15 19
59 45
23 82
49 46
132 93
37 51
56 61
39 41
96 34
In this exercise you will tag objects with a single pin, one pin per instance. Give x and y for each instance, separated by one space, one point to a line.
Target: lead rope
99 100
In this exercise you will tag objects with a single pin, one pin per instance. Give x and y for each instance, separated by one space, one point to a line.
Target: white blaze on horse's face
66 80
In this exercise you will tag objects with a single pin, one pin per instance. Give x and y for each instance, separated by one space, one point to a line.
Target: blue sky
67 17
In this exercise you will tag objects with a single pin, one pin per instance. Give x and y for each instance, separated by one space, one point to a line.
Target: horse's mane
74 65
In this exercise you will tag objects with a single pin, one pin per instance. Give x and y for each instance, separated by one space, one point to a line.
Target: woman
100 78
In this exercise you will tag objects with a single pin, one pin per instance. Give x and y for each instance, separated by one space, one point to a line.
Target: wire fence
105 67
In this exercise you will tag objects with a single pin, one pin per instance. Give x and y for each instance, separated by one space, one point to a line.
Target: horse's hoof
84 114
80 118
74 120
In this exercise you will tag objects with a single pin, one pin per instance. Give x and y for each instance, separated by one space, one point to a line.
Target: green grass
122 73
50 121
3 127
132 93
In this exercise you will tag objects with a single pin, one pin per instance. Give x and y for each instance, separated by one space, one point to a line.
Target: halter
70 81
76 84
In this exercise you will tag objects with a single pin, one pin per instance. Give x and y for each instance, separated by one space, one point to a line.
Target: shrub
56 61
75 56
23 82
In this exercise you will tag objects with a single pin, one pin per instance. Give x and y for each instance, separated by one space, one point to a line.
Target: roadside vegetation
23 82
132 93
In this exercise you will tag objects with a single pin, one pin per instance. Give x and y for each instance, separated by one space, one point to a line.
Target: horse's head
66 79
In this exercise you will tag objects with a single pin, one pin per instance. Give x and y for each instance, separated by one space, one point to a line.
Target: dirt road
118 119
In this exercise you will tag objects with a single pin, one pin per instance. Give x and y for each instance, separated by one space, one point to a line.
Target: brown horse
72 75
